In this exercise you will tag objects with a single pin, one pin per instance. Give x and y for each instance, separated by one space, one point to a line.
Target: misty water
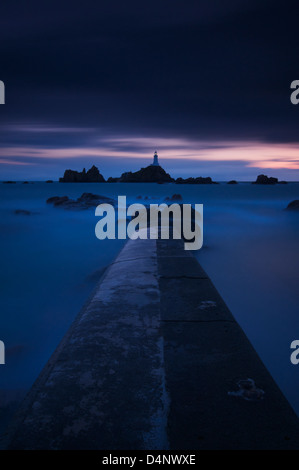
51 262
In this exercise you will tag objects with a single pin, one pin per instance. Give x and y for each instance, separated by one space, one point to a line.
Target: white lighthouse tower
155 161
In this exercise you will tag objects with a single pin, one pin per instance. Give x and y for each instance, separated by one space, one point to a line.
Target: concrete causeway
155 360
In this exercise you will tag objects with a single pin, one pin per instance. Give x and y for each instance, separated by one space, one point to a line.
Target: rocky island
150 174
198 180
91 176
85 201
293 206
263 179
153 173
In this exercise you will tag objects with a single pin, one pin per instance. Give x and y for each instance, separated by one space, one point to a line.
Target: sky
206 83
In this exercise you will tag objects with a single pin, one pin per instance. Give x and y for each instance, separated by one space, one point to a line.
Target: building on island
155 161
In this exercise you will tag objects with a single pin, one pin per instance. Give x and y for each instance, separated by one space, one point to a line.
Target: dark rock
25 182
232 182
49 181
93 200
263 179
293 206
174 197
89 197
53 199
9 182
282 182
112 180
22 212
94 176
85 201
59 200
91 176
198 180
150 174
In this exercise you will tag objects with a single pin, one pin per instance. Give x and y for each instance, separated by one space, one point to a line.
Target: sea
51 262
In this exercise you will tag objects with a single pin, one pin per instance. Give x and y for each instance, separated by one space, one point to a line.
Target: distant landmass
153 173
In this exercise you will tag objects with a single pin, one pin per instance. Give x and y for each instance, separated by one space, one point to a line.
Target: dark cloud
195 69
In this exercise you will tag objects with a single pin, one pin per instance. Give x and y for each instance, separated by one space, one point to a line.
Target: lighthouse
155 161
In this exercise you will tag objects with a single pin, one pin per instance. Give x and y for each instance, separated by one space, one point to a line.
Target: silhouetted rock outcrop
293 206
58 200
232 182
85 201
150 174
22 212
263 179
174 197
93 200
91 176
198 180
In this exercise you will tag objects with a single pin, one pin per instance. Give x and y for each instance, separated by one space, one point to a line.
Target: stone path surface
155 360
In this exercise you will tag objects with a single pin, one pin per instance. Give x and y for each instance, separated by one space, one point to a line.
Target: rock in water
85 201
22 212
150 174
263 179
59 200
111 179
198 180
92 200
293 206
91 176
174 197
